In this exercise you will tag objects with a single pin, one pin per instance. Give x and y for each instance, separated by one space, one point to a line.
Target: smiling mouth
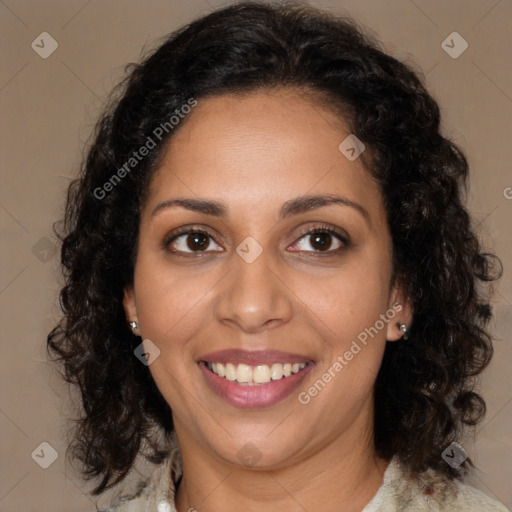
247 375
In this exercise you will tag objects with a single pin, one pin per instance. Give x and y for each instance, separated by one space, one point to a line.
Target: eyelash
323 229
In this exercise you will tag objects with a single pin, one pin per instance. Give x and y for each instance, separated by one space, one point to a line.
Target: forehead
259 150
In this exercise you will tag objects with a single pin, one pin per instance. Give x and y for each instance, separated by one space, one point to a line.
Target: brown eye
321 240
197 241
190 241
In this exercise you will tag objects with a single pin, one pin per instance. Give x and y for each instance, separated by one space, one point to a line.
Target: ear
403 314
129 305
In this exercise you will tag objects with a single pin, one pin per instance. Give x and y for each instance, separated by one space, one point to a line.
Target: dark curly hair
425 388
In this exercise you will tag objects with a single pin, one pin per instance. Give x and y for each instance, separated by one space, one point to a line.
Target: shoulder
154 493
137 502
129 504
471 499
431 492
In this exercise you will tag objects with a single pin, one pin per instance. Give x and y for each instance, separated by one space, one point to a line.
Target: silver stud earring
404 330
133 326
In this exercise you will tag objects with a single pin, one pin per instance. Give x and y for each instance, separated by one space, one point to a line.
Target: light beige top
397 493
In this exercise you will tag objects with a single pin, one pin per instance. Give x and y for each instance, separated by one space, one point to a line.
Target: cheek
169 301
171 310
350 300
346 312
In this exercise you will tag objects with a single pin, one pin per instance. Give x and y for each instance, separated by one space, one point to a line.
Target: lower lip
259 395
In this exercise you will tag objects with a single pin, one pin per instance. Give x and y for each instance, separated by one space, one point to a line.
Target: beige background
48 107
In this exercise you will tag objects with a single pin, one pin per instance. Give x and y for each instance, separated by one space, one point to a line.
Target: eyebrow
292 207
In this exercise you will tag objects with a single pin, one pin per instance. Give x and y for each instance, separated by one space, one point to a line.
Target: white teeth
277 371
244 373
230 371
261 374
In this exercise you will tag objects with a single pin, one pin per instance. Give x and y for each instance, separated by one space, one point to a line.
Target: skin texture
253 153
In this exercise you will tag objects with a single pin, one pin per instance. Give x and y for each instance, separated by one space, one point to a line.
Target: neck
343 476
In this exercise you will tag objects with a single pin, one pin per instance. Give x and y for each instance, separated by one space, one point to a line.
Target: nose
253 297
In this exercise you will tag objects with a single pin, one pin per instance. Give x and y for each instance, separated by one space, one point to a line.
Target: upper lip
253 357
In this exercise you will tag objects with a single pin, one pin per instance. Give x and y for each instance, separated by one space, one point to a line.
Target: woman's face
256 293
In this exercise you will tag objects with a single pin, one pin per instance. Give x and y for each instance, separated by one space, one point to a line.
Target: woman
271 279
